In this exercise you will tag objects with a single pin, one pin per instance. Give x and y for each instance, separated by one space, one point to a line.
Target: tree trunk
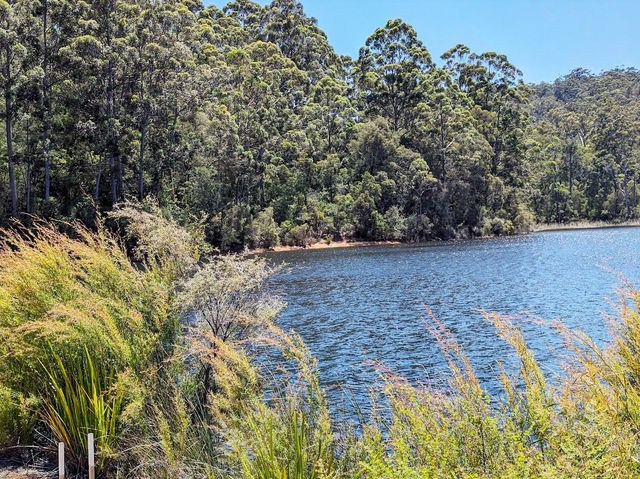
28 189
120 182
626 190
115 167
571 171
112 178
9 131
46 106
614 175
98 178
143 137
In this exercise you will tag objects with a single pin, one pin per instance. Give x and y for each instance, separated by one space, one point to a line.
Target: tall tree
391 69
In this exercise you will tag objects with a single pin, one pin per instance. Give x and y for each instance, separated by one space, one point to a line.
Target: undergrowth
156 355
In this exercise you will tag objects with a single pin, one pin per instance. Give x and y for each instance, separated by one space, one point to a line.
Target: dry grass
579 225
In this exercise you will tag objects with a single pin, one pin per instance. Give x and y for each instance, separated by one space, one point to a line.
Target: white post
61 460
92 463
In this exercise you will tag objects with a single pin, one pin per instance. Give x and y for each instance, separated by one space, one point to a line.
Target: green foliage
288 436
583 146
246 116
84 331
17 417
296 235
583 427
264 230
195 401
67 294
85 399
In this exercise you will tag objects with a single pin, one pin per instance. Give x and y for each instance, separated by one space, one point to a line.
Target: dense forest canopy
247 115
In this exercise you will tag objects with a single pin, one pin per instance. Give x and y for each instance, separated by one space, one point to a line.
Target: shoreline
583 225
324 245
538 228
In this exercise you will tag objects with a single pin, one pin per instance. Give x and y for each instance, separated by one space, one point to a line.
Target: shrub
72 294
586 426
17 417
524 220
395 225
61 297
84 399
287 436
264 230
159 239
299 235
419 227
497 227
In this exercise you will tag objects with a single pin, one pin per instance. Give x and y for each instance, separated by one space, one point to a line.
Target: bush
419 227
92 340
299 235
497 227
264 230
584 426
524 220
395 225
61 297
84 399
17 417
288 436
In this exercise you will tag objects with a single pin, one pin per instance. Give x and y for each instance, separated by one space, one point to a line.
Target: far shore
322 244
538 228
582 225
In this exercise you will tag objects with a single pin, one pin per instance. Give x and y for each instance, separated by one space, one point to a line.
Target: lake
353 306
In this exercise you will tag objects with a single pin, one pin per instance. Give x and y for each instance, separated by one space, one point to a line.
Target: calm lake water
355 305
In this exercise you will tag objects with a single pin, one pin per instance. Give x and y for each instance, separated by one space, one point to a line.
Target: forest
246 116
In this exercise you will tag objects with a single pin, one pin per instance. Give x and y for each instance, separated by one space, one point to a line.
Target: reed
87 399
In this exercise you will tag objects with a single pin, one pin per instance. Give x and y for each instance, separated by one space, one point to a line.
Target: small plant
85 400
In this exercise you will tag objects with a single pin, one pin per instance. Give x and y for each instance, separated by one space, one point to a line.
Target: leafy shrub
74 294
264 230
288 436
395 225
583 427
497 227
17 417
159 239
419 227
524 220
61 297
299 235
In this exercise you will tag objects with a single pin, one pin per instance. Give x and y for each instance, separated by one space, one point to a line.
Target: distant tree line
246 114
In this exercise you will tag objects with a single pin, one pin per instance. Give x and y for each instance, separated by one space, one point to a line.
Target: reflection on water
354 305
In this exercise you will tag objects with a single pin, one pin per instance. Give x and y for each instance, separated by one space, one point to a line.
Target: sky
543 38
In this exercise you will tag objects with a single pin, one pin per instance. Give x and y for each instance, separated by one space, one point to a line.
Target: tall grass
61 296
87 399
97 342
585 426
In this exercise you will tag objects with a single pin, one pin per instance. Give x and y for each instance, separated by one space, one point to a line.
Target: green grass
85 399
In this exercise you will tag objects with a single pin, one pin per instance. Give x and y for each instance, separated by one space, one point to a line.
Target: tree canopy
247 115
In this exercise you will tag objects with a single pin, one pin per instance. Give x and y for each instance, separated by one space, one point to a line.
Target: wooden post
61 460
92 463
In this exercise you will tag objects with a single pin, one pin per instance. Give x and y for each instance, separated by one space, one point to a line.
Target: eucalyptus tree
18 70
298 37
57 26
330 116
390 70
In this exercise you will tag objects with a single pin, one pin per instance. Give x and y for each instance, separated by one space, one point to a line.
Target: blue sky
543 38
